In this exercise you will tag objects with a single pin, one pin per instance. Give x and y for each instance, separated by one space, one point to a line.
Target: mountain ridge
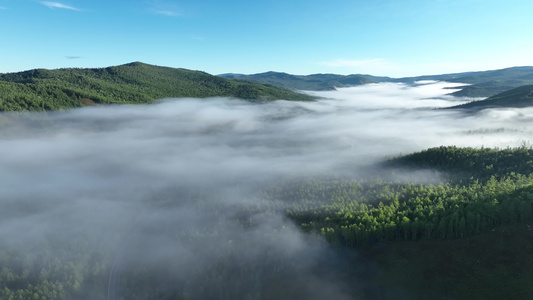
132 83
137 82
482 83
318 81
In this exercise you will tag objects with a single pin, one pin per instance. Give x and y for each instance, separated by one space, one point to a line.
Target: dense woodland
486 188
482 190
135 83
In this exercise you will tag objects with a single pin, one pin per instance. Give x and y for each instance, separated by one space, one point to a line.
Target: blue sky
379 37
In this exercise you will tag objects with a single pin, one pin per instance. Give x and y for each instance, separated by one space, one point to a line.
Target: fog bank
172 182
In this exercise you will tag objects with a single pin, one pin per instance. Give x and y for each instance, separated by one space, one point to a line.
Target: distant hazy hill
518 97
314 82
489 83
483 84
42 89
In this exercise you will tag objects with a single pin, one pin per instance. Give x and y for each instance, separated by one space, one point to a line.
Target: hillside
467 238
517 97
133 83
465 163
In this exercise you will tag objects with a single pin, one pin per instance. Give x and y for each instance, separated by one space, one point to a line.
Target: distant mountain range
133 83
315 82
482 84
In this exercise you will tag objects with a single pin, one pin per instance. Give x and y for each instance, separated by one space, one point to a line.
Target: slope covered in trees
132 83
461 164
432 241
486 188
517 97
354 214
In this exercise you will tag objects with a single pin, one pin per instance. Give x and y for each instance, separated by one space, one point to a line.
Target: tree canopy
134 83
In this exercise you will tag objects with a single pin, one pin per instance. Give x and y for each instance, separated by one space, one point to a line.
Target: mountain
314 82
42 89
489 83
517 97
482 83
133 83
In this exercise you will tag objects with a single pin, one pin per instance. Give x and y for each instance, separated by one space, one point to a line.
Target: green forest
486 188
484 199
134 83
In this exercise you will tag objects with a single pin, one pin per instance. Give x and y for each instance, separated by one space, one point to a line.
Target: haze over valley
177 198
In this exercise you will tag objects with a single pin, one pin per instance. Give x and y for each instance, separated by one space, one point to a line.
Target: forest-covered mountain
482 84
517 97
42 89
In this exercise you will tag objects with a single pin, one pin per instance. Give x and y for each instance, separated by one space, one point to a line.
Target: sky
382 37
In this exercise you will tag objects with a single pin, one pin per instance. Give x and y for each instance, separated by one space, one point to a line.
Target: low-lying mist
170 194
